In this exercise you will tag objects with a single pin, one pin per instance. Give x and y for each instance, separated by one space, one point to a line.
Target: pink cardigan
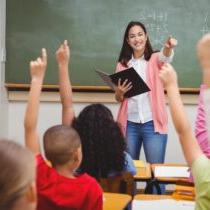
157 97
201 130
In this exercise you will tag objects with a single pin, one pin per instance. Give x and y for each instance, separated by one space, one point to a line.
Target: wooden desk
151 197
115 201
170 180
143 173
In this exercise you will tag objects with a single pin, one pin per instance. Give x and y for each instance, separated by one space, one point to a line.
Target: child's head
103 144
17 177
203 51
62 146
135 39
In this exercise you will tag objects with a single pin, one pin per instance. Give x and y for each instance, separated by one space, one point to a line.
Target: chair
123 183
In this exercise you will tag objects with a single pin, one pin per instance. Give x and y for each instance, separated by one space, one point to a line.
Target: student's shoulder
39 158
201 167
90 182
41 162
87 178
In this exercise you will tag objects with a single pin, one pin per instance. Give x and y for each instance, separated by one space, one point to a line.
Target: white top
139 107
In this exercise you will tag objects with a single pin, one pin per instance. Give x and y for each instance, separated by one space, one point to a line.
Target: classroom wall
50 114
3 95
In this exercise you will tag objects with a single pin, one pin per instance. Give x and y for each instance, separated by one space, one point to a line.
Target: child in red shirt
59 187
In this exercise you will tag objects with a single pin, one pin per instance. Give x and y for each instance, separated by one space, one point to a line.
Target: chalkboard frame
102 89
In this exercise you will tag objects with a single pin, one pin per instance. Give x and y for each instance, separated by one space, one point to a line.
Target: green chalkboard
95 31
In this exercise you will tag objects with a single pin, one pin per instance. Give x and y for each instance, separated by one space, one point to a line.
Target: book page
162 204
172 171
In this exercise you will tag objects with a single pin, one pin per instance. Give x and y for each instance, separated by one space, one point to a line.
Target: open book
138 84
163 204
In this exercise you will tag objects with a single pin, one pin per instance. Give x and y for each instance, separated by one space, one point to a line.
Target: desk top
151 197
169 179
115 201
143 172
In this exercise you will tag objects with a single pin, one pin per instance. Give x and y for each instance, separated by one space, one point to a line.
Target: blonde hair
17 172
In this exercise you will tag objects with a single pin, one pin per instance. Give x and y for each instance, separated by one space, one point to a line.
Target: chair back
123 183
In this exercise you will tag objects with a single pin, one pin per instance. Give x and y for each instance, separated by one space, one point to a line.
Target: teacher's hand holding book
121 89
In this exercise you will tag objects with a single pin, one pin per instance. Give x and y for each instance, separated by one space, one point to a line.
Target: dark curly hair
103 143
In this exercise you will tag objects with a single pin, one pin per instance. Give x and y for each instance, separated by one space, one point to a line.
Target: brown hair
60 142
126 50
17 172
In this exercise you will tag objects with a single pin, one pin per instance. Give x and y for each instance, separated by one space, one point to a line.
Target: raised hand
63 54
38 66
65 88
171 42
168 75
37 70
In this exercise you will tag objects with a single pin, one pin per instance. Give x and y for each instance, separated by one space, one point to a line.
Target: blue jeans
154 144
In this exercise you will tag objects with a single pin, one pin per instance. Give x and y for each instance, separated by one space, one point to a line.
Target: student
103 145
198 161
143 118
59 186
17 177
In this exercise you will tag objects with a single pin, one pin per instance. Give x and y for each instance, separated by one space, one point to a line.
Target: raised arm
169 45
187 139
37 71
65 88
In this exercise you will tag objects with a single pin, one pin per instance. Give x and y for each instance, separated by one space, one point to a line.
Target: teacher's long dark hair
126 51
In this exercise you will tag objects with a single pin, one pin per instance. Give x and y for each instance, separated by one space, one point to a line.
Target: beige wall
50 114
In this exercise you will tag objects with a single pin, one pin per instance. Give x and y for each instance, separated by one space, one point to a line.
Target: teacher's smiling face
137 39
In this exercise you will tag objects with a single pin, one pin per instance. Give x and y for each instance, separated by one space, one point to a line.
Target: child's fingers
65 42
39 60
44 55
66 45
31 64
